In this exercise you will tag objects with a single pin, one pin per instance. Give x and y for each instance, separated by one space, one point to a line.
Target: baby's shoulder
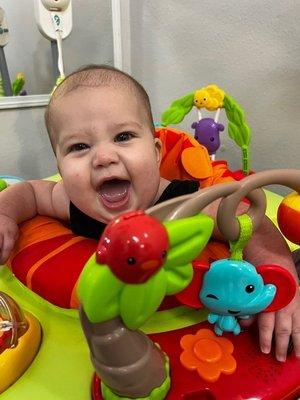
60 201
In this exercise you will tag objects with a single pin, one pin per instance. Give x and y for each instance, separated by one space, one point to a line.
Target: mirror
30 53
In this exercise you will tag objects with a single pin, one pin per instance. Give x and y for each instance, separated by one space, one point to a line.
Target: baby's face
106 152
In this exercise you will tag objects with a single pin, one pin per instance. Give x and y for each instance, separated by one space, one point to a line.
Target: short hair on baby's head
96 76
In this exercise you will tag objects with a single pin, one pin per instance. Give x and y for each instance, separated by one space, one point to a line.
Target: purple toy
207 133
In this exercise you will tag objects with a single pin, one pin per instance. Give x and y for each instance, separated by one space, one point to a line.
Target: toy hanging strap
59 80
237 247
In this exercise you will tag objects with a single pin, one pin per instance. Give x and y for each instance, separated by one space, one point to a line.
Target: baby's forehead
86 103
68 100
72 114
94 79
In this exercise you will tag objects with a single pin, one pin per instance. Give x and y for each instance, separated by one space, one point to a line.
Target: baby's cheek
148 187
74 180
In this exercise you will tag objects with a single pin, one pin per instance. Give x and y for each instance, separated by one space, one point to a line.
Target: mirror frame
29 101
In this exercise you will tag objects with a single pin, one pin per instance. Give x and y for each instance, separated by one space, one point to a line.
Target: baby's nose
105 156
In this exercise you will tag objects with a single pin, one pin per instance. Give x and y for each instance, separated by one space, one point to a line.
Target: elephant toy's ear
285 285
190 295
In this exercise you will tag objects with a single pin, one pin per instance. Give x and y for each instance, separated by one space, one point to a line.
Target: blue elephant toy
233 290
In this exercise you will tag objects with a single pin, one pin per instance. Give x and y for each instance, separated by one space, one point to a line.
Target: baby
101 129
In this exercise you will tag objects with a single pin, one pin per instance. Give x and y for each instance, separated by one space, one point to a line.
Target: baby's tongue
114 190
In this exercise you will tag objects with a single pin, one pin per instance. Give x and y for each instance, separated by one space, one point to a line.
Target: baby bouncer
154 334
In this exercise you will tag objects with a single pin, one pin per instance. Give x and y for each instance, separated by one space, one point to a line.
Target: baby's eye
123 136
78 147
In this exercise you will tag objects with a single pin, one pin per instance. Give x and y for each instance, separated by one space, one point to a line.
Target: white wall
250 48
25 148
29 52
24 144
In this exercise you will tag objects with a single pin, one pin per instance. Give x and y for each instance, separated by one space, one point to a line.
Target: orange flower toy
207 353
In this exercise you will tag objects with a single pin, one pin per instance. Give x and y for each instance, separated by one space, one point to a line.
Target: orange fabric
48 258
182 156
196 162
36 230
219 175
214 251
35 266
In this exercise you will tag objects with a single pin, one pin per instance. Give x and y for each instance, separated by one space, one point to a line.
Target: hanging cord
60 61
237 247
58 28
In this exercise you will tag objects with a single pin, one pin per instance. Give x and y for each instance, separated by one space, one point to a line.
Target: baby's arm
267 246
23 201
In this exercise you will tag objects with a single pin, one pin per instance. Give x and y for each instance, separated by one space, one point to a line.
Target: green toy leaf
246 135
104 296
235 134
238 129
173 116
178 278
99 291
178 110
139 302
188 237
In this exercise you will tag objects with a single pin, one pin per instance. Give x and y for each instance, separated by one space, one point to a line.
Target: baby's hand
284 323
9 232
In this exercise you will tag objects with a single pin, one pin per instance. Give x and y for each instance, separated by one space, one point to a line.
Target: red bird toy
134 246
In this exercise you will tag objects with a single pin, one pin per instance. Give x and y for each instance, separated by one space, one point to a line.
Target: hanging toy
207 130
212 98
207 133
234 289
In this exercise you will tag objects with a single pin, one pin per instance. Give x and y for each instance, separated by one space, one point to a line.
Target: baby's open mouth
114 193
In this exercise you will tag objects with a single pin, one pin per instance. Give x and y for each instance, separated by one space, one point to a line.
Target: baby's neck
162 185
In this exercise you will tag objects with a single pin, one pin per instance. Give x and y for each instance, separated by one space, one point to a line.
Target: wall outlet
61 10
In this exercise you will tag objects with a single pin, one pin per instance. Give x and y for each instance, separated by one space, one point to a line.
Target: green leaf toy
212 98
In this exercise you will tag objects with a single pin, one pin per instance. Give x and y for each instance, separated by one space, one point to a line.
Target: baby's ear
158 150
